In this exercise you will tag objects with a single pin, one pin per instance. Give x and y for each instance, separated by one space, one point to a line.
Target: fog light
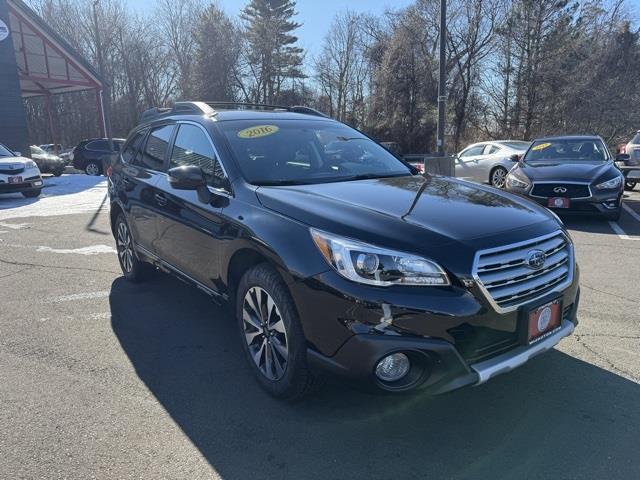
37 183
393 367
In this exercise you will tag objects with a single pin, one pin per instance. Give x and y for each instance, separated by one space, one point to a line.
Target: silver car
632 150
488 162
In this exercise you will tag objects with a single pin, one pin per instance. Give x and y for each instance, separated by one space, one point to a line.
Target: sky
314 15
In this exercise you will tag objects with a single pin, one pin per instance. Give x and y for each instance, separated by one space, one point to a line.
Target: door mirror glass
187 177
515 157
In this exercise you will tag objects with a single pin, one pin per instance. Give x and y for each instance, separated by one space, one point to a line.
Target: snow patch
91 250
79 296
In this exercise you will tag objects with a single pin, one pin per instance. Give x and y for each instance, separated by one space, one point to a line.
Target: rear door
190 232
143 163
485 162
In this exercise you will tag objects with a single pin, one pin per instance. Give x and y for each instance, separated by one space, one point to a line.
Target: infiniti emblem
560 190
535 259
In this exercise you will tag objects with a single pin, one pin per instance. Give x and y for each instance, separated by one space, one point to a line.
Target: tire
273 340
629 185
92 169
498 177
32 193
133 269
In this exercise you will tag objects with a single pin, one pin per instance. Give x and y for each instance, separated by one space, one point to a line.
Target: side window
193 147
491 149
100 145
132 150
156 148
473 151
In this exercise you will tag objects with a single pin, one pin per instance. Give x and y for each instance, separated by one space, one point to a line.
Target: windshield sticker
258 131
542 146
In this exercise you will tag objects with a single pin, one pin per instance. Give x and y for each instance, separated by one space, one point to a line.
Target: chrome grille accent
507 281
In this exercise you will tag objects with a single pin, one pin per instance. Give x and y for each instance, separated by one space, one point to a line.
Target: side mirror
623 157
187 177
515 157
17 154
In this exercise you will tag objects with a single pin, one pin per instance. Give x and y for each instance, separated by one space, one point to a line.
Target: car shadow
556 417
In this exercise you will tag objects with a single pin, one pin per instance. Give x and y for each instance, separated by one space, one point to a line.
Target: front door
190 231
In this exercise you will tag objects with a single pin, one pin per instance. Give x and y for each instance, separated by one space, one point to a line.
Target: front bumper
600 202
32 181
426 327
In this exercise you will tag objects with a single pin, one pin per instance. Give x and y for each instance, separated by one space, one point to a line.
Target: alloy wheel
92 169
498 177
265 333
125 247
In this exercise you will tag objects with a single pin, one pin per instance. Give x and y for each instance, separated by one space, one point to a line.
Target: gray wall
13 120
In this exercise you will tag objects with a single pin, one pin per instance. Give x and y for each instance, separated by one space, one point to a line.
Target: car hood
565 171
406 211
13 160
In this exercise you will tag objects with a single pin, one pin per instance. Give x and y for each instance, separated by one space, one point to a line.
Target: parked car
573 174
19 174
57 149
488 162
47 162
335 255
627 159
92 155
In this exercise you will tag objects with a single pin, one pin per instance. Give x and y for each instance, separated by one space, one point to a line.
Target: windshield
37 150
5 152
575 150
281 152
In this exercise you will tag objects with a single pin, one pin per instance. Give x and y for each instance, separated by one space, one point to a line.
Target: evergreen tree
273 57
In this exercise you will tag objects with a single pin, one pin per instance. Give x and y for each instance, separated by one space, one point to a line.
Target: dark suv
336 256
92 155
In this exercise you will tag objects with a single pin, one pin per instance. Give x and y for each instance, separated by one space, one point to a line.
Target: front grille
567 190
11 171
510 282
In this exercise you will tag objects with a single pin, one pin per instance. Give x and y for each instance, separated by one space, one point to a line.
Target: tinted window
491 149
101 145
133 148
470 152
308 151
584 150
156 148
5 152
193 147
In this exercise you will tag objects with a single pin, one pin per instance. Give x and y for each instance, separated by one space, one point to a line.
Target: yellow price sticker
542 146
258 131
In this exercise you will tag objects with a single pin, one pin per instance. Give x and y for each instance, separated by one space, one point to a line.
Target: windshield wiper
370 176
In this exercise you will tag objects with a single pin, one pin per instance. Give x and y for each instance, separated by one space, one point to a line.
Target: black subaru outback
335 255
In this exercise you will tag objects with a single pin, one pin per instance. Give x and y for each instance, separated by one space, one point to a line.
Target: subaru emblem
535 259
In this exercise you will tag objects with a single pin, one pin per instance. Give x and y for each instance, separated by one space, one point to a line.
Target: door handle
160 199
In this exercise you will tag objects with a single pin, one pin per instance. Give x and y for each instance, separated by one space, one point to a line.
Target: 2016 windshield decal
258 131
542 146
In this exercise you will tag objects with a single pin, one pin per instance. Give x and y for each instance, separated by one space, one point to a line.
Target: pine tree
273 56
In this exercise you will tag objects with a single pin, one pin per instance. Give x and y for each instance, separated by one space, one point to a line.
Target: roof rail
185 108
266 106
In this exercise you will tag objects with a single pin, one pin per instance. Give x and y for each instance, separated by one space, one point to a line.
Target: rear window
271 152
517 145
636 140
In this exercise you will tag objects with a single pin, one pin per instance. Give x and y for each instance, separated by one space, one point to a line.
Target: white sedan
19 174
489 162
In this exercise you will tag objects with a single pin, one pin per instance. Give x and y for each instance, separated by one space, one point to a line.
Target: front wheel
92 169
271 334
498 177
629 185
32 193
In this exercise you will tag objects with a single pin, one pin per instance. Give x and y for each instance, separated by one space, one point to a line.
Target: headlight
30 164
610 184
517 181
373 265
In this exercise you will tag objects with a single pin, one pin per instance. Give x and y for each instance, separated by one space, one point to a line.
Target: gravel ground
103 379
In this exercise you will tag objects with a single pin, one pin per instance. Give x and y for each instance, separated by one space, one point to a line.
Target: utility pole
442 85
105 91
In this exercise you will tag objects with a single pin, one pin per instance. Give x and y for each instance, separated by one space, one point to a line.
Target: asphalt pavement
103 379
